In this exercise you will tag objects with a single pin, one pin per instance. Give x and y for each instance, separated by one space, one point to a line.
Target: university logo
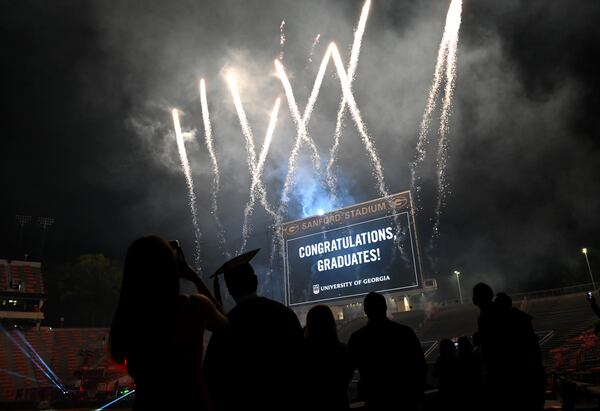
292 229
400 201
316 288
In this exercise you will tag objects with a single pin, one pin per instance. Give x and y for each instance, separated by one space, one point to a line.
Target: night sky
86 132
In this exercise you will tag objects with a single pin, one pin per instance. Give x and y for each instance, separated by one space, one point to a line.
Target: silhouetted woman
328 362
159 333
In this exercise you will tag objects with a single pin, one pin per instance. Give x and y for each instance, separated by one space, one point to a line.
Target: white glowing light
354 54
208 138
445 65
185 165
255 166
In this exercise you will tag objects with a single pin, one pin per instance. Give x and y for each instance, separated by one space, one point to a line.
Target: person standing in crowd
446 372
469 377
511 355
258 365
159 333
389 359
329 367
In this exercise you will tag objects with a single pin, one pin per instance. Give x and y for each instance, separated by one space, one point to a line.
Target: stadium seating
68 352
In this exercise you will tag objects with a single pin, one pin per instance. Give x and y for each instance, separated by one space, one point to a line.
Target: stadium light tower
45 223
22 221
457 274
585 251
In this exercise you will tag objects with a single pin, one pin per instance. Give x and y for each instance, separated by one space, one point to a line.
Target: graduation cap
239 265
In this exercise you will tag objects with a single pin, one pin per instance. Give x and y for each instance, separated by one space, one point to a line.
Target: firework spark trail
429 107
250 151
346 85
281 39
454 17
260 186
208 138
185 165
257 186
354 54
302 136
367 141
265 149
312 48
255 168
301 122
246 130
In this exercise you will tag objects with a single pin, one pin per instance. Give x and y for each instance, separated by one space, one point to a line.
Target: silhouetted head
447 348
320 325
464 345
241 281
503 301
482 295
239 276
149 288
150 271
375 306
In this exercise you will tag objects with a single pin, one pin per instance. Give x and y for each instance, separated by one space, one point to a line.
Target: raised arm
186 272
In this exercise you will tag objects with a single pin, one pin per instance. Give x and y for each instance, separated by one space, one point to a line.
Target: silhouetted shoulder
204 311
262 304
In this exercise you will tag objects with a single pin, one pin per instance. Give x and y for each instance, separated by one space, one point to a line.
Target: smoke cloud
522 196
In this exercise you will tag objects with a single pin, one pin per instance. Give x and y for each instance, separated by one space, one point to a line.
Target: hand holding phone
185 271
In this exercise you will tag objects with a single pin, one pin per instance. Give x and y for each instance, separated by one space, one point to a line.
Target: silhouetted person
594 306
469 377
329 367
476 339
511 354
258 365
389 358
445 370
503 302
159 333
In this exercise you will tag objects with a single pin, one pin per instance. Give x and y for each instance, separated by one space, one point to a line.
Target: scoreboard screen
352 251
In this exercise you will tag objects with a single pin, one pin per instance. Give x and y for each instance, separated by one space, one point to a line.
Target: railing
546 337
431 349
532 295
572 289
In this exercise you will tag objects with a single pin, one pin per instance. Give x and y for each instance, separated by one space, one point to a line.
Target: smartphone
589 296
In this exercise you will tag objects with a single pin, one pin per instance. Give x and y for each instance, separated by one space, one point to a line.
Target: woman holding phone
159 333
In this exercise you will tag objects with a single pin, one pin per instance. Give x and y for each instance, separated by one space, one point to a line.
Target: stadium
71 367
79 362
364 204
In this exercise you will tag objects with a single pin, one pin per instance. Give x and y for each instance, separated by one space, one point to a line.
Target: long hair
320 325
147 301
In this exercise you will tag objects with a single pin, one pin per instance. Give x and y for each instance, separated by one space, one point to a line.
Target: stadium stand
556 319
77 356
22 293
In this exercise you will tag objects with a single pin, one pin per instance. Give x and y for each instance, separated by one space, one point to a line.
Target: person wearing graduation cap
257 365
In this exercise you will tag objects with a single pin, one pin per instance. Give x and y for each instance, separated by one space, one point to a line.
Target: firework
208 139
187 172
354 54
